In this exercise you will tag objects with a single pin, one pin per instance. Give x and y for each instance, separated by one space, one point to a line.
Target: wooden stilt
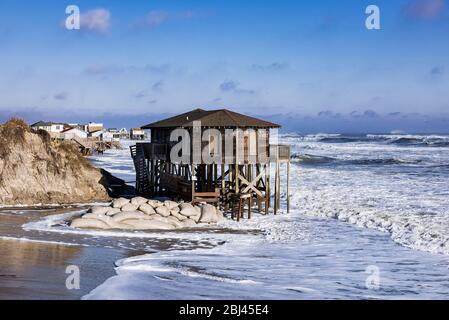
288 187
277 192
237 184
268 183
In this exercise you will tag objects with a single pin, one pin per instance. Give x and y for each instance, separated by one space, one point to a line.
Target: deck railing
158 151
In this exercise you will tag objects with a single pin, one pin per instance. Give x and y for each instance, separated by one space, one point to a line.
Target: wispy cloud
272 67
161 68
99 69
156 18
96 20
436 71
105 69
157 86
329 114
231 86
424 9
61 96
140 95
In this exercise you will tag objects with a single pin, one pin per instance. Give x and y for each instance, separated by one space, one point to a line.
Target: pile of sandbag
143 214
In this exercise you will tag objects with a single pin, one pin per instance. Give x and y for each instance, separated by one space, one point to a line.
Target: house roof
72 128
212 118
45 123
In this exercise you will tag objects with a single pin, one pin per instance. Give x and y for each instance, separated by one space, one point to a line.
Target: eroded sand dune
36 170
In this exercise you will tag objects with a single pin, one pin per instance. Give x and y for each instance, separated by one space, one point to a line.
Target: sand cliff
36 170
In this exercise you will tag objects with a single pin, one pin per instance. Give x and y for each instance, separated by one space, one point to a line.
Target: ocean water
393 183
369 220
361 206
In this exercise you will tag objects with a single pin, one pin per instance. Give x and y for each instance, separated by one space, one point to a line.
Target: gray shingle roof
212 118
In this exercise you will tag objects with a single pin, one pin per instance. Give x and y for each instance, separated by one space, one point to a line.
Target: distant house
77 125
50 127
105 135
114 134
123 133
93 127
137 134
72 133
96 134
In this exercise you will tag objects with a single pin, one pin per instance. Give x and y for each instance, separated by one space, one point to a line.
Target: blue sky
311 65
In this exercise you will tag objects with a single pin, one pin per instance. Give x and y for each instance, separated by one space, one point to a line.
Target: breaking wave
308 159
396 139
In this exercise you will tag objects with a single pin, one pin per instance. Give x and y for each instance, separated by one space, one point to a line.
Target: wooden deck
91 146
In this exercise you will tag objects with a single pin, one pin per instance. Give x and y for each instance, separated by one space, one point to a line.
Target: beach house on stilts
214 156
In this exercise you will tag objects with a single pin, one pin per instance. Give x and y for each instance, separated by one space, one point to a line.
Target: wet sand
30 268
33 262
38 271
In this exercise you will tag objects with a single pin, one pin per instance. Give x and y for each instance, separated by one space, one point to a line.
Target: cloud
329 114
161 69
228 86
233 87
103 69
140 95
424 9
156 18
61 96
158 86
436 71
369 114
272 67
96 20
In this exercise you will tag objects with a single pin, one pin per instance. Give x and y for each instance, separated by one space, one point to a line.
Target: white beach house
50 127
72 133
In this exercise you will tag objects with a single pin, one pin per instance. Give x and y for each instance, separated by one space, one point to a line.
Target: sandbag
175 209
155 203
163 211
149 225
174 221
113 211
220 216
119 217
196 218
170 220
178 216
138 201
120 202
147 209
208 214
106 219
89 223
170 204
130 207
189 223
94 216
98 210
187 210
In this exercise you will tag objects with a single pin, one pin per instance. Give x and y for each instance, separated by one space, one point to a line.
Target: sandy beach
33 262
33 269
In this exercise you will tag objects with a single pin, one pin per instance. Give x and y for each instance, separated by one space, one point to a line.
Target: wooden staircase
141 166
